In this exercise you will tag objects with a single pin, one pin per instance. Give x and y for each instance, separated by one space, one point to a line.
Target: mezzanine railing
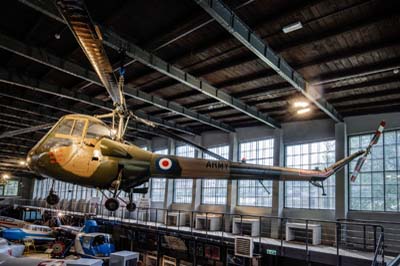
344 236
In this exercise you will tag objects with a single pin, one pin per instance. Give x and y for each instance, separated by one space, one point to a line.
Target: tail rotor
361 160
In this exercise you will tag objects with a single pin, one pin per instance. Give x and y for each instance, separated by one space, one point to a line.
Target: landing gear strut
320 185
52 198
112 204
131 207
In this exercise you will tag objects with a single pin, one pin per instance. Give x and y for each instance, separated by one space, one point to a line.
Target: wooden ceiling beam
313 38
43 57
116 42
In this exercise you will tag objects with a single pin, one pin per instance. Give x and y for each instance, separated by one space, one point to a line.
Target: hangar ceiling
348 50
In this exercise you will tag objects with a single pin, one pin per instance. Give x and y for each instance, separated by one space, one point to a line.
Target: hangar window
36 188
251 192
378 184
301 194
64 190
158 185
39 189
214 191
9 189
183 187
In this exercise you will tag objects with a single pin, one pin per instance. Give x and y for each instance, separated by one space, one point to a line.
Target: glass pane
78 128
65 127
97 131
379 178
251 192
300 194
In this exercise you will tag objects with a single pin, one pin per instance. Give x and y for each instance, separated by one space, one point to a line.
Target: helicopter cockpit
74 129
74 136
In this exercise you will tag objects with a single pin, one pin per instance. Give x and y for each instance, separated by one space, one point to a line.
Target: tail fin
367 151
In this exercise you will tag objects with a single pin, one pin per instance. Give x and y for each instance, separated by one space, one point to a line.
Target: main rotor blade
24 130
191 143
89 38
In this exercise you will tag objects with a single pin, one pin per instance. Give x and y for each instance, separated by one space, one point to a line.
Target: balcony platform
294 249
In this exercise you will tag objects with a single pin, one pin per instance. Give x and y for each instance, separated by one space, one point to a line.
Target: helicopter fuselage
79 149
85 159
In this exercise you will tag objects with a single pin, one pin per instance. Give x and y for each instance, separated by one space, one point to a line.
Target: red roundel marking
165 164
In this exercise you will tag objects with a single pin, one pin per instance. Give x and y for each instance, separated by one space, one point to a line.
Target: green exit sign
271 252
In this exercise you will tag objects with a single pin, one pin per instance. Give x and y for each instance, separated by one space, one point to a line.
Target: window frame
256 186
384 172
185 180
215 189
70 136
16 186
309 185
160 179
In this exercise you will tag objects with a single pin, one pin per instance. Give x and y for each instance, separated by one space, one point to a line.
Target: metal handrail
369 221
338 224
379 248
395 261
344 222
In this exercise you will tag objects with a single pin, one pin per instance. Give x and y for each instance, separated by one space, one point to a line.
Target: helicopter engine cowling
113 149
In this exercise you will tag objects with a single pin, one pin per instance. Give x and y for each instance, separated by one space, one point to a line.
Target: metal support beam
248 56
57 106
37 85
176 108
288 10
12 152
231 22
40 111
362 85
116 42
374 68
24 130
16 172
45 58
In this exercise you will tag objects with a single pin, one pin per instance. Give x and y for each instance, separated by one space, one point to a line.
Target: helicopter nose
32 160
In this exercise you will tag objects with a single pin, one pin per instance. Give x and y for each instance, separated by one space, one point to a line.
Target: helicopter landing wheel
131 207
52 199
111 204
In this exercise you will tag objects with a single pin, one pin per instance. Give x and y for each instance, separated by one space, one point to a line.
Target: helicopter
86 151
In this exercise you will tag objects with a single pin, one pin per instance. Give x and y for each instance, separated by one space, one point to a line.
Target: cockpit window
68 132
65 127
72 127
78 128
97 131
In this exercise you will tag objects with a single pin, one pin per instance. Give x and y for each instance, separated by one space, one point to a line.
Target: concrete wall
308 131
369 123
215 138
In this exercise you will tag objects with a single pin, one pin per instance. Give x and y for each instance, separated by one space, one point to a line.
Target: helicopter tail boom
179 167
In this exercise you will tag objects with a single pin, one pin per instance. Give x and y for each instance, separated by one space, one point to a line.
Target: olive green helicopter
86 151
